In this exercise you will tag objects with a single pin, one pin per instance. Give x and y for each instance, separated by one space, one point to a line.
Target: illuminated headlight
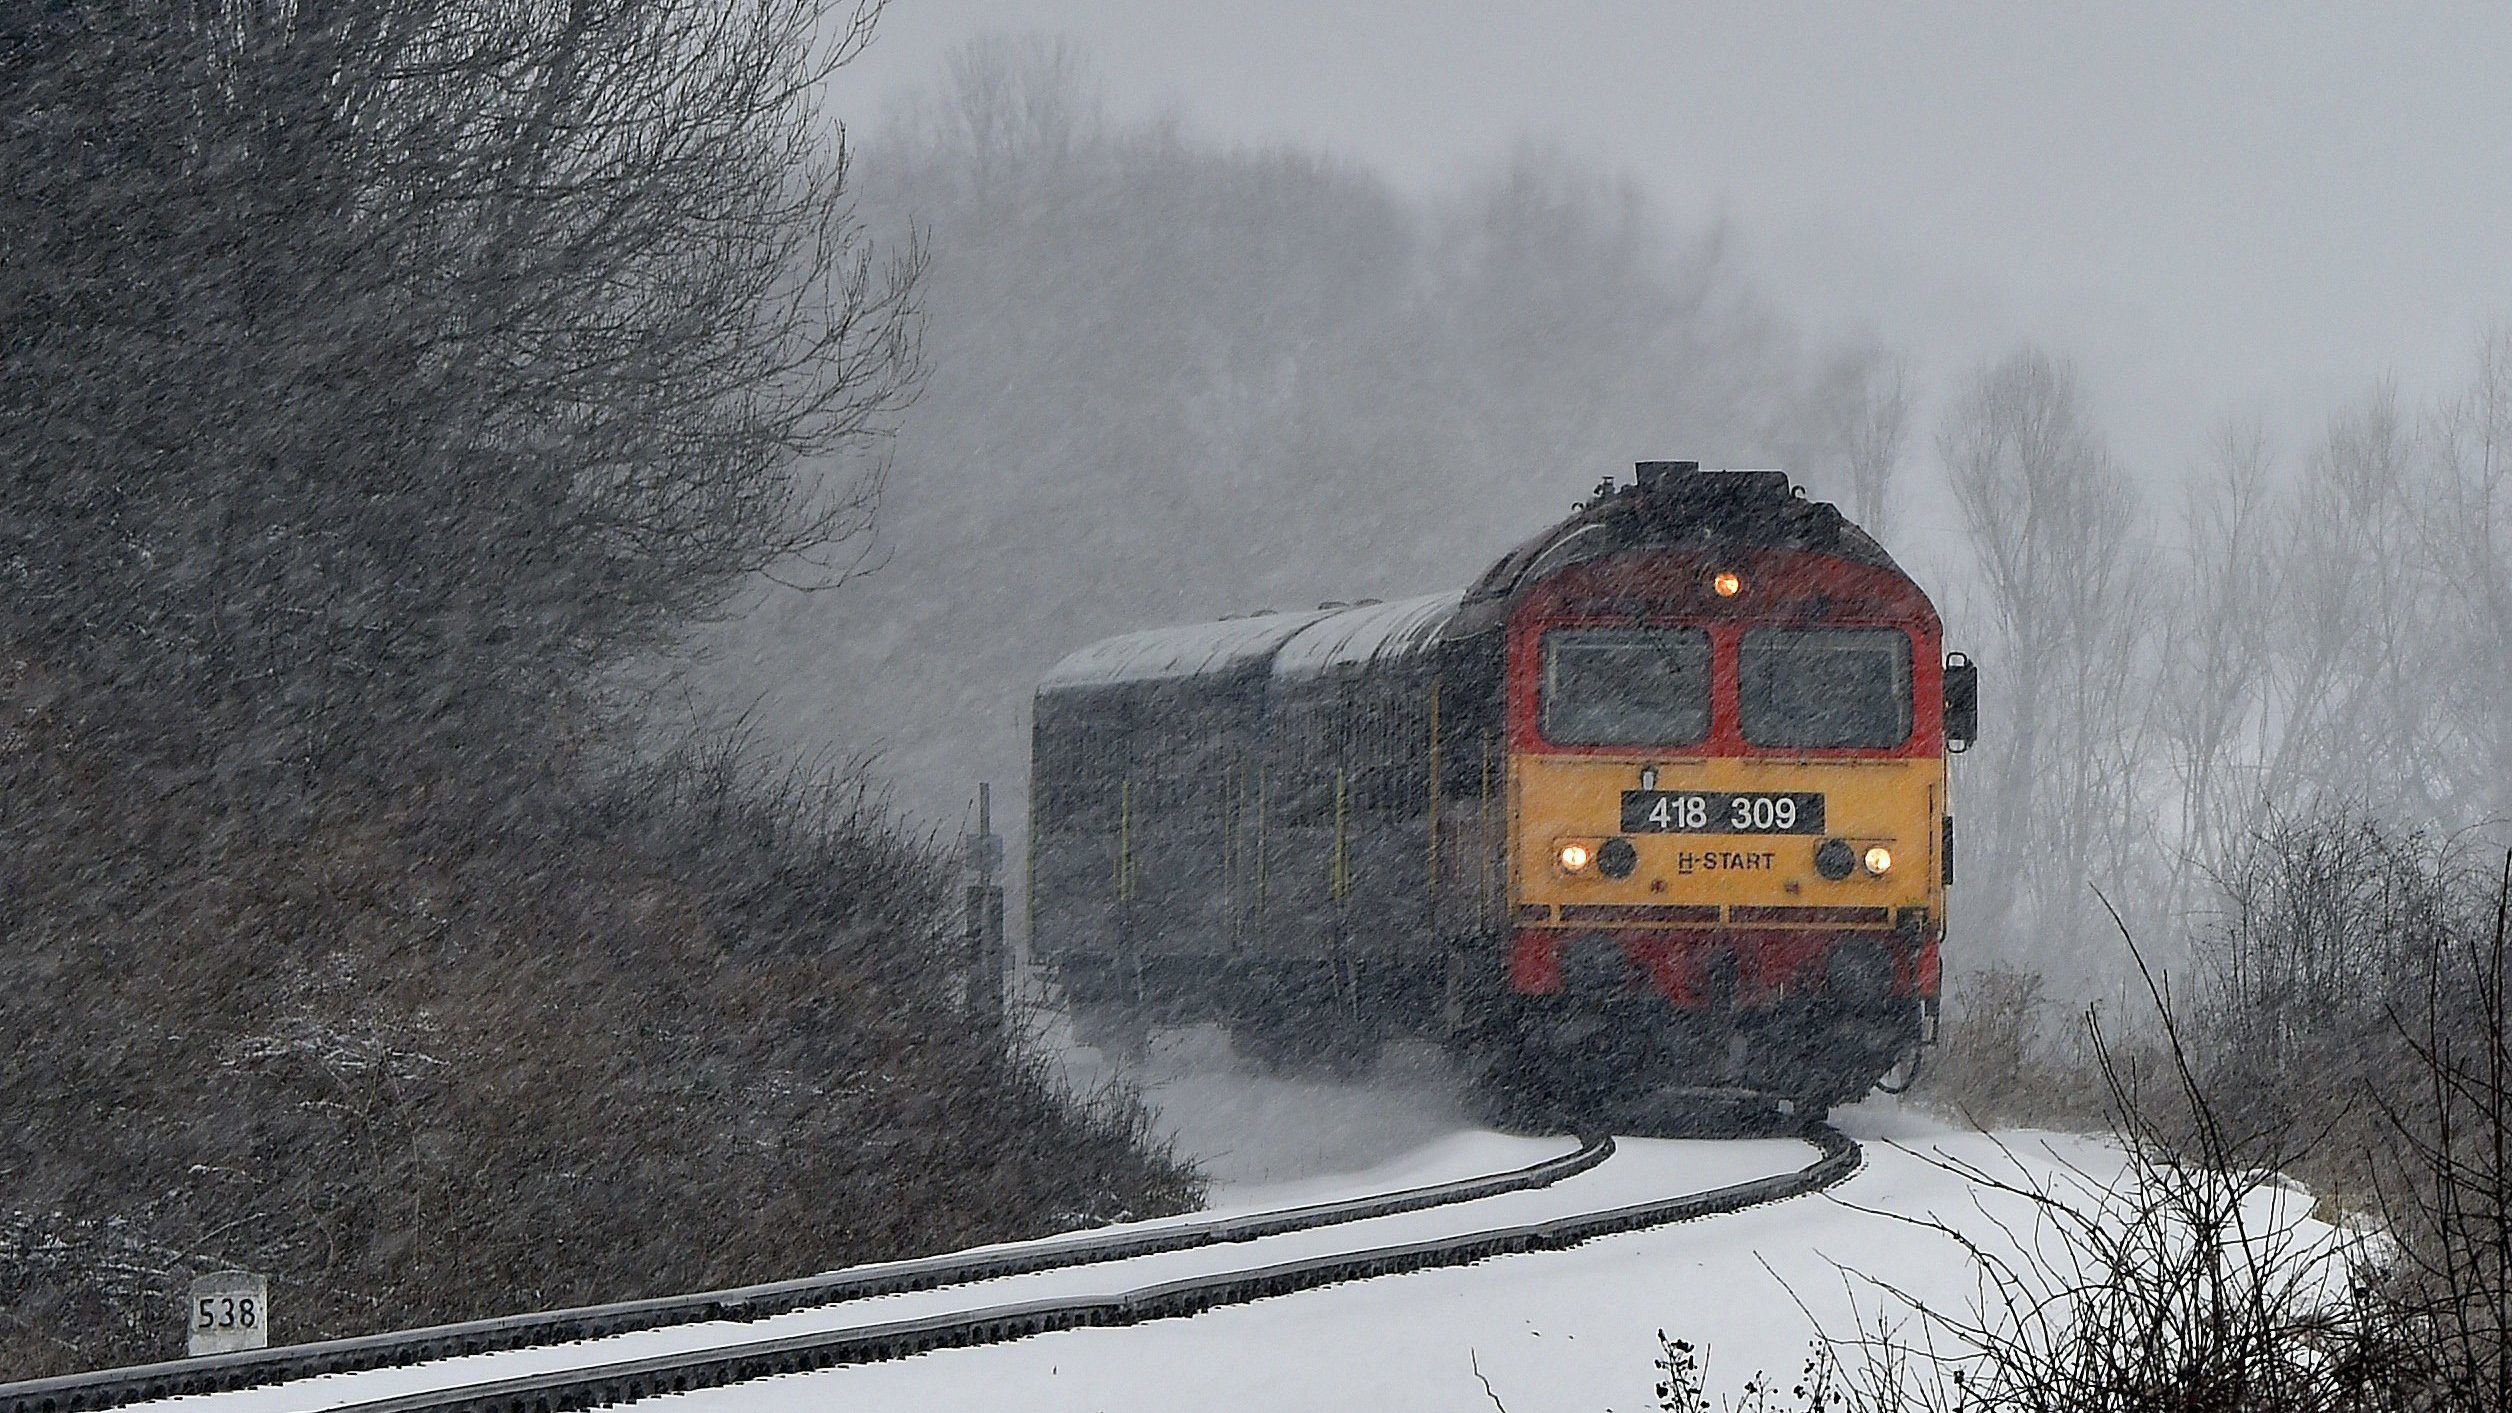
1575 857
1879 861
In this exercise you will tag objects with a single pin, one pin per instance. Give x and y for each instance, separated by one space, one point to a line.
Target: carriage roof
1282 645
1185 650
1368 634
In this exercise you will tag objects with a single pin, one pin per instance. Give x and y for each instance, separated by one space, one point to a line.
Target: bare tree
2346 716
2219 652
2070 590
1863 403
2469 536
1019 109
375 366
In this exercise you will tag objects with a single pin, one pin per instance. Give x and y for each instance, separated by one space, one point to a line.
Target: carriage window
1825 687
1626 686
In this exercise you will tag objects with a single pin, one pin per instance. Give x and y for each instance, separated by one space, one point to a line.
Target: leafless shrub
1985 1066
2331 930
2195 1277
690 1030
1683 1383
2446 1193
2187 1279
2011 1055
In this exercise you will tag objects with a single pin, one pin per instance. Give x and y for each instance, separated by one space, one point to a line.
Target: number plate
1720 812
229 1311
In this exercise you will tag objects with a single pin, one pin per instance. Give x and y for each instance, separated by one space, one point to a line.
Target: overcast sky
2213 207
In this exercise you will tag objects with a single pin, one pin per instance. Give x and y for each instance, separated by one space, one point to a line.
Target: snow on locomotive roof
1365 634
1185 650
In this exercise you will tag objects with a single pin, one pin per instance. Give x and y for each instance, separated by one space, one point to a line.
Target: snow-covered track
111 1388
625 1380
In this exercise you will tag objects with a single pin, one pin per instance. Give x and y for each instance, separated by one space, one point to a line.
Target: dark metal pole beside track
989 975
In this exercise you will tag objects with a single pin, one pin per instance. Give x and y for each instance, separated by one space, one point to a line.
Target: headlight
1575 857
1879 861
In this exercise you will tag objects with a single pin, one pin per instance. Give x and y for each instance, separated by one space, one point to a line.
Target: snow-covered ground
1574 1330
1560 1330
1643 1170
1567 1330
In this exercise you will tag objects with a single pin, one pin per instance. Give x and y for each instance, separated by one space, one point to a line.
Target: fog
2191 434
2214 207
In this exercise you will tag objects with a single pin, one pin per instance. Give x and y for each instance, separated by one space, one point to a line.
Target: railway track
599 1380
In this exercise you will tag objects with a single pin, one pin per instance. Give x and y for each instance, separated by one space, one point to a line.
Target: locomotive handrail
559 1391
110 1388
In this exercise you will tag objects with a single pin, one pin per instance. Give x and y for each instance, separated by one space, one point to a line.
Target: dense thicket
422 1058
376 376
368 361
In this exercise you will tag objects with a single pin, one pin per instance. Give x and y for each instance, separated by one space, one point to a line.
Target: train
1659 802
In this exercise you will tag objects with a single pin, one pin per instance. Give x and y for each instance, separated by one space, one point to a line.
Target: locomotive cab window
1626 686
1825 687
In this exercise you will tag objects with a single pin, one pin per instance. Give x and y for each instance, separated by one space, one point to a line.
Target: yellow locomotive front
1728 833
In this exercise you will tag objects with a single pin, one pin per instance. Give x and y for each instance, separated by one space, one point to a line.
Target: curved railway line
602 1381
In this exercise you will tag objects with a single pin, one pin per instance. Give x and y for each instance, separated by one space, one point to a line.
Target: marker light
1726 583
1575 857
1879 861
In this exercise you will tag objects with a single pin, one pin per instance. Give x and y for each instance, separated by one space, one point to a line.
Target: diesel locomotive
1660 800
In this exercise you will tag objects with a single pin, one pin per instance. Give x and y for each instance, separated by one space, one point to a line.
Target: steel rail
560 1391
111 1388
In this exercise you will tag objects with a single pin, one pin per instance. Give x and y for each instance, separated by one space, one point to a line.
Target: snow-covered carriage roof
1295 644
1185 650
1357 636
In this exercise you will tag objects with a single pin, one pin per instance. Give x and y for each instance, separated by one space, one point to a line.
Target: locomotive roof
1185 650
1671 506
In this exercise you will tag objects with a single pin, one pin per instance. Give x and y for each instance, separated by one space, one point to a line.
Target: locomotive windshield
1626 686
1825 686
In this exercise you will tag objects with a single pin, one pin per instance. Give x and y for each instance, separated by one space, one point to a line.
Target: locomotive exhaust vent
1653 474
